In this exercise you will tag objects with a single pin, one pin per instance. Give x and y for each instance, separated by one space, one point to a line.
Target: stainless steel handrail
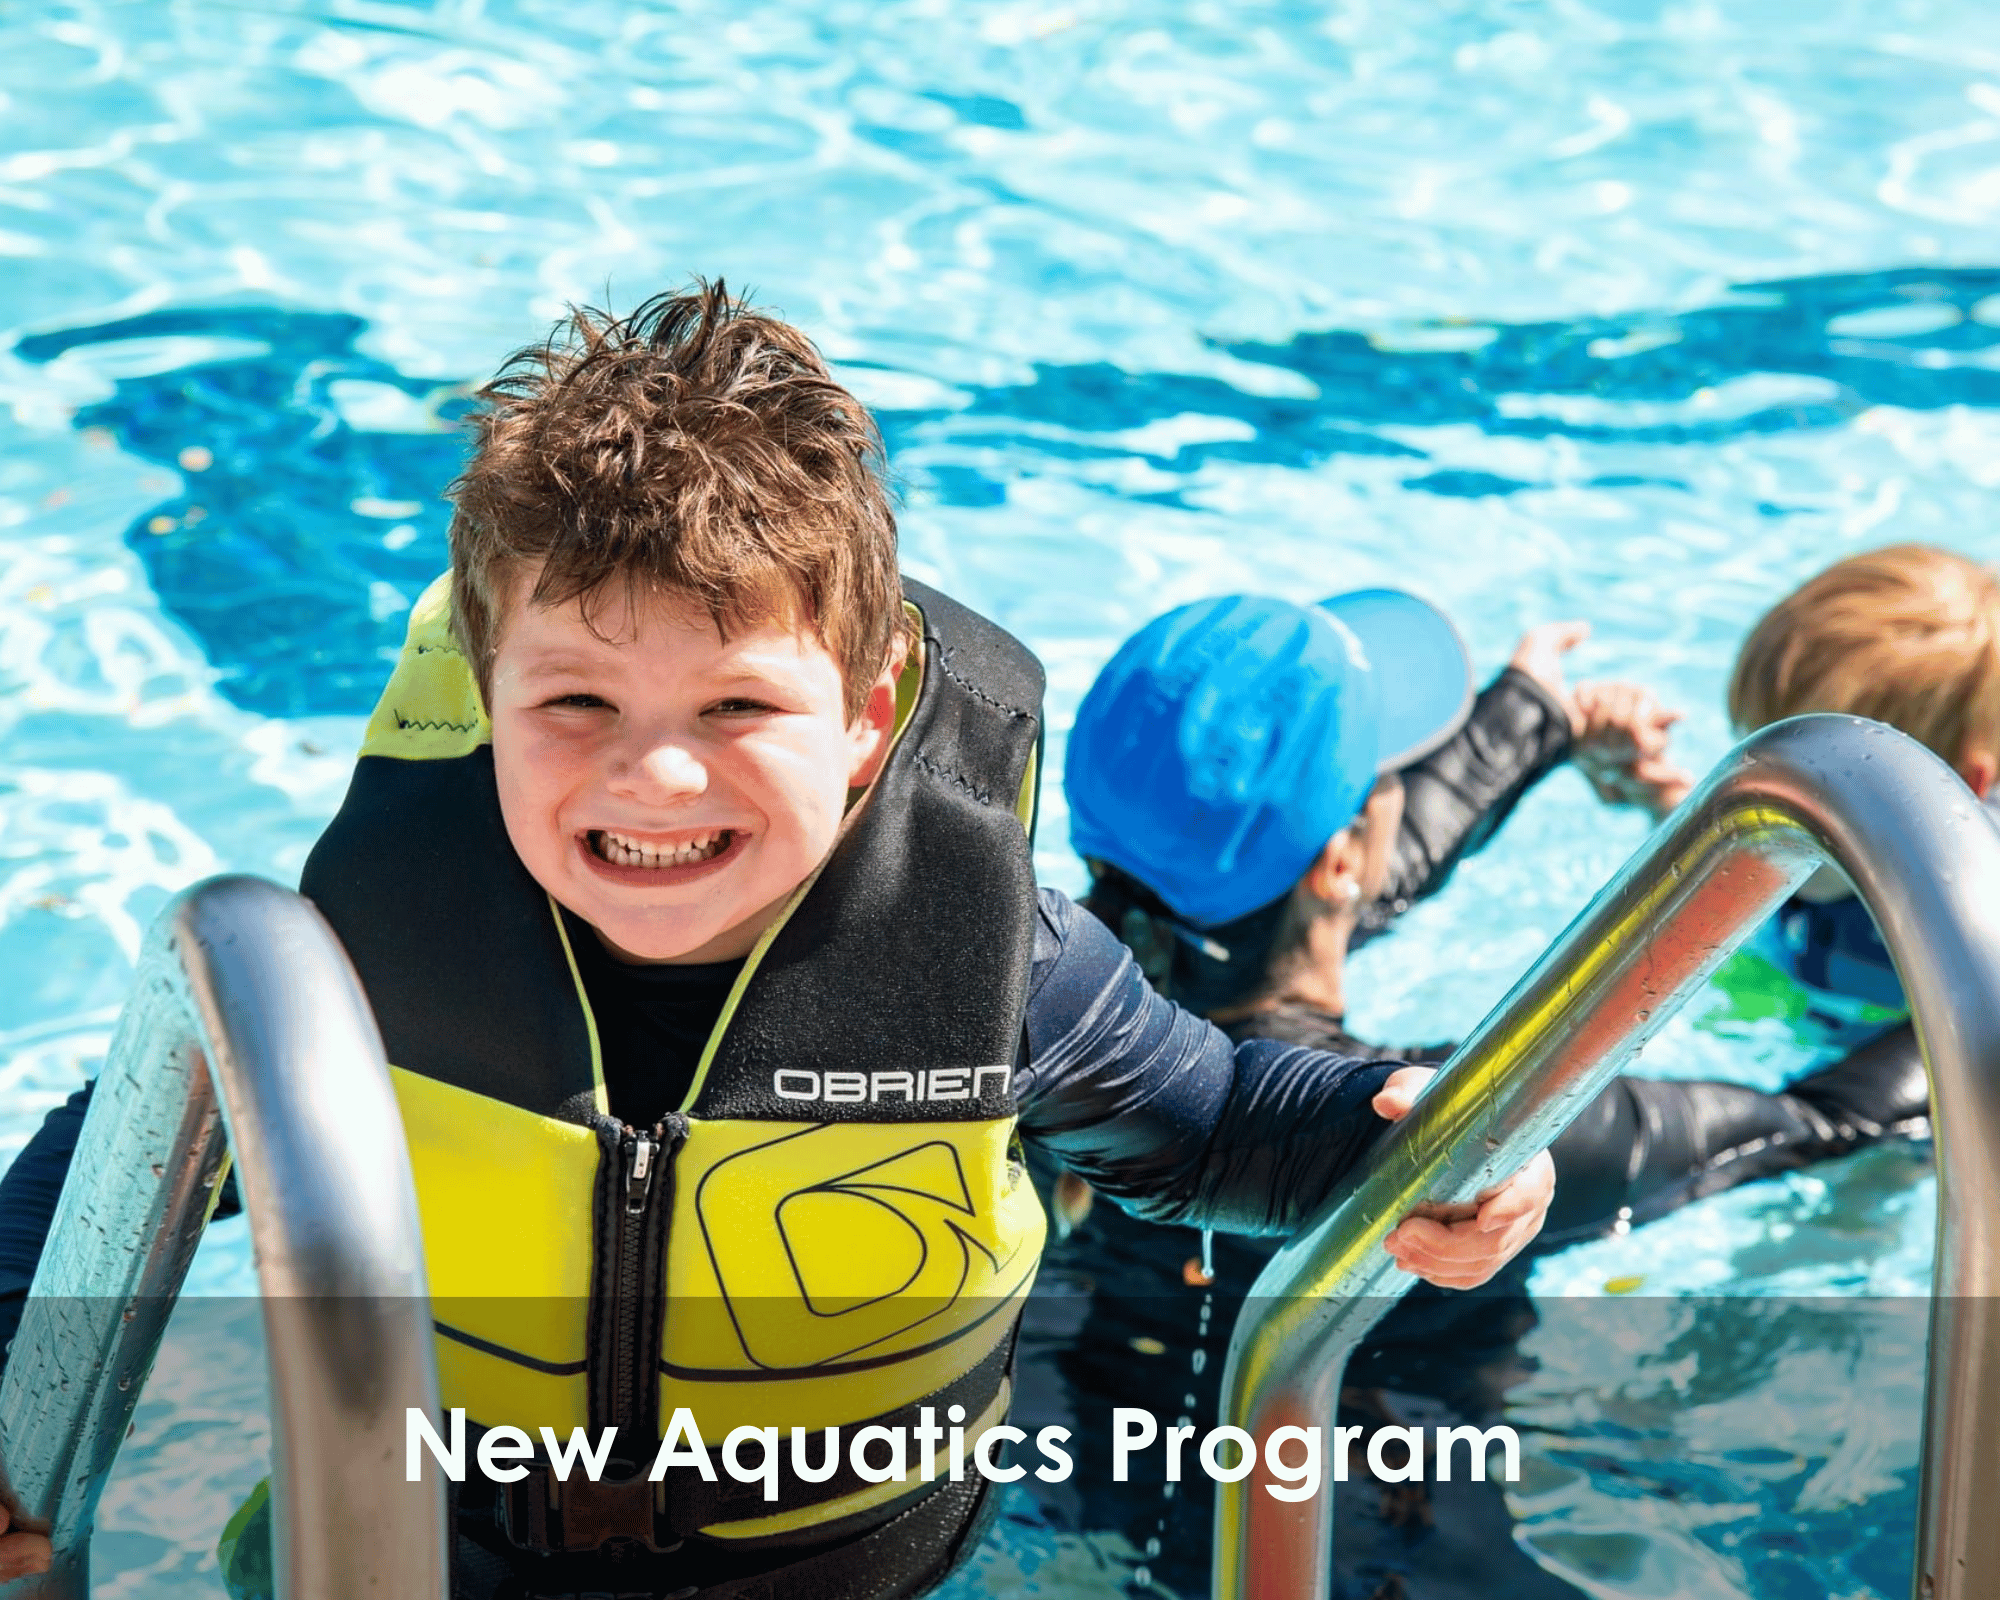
242 992
1926 860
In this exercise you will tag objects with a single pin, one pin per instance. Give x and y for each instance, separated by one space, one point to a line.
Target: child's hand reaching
1622 747
1620 728
1464 1254
1624 721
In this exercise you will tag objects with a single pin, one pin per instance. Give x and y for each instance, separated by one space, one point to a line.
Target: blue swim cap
1226 742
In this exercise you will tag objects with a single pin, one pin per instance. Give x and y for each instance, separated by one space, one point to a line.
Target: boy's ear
1979 768
870 735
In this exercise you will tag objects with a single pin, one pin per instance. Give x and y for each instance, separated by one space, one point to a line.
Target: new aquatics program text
1293 1457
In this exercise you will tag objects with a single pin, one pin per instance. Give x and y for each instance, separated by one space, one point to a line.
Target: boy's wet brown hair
1908 635
695 447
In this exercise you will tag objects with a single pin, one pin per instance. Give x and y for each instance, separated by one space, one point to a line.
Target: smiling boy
686 866
672 788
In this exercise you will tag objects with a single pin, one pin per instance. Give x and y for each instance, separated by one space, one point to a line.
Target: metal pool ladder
246 1015
1926 859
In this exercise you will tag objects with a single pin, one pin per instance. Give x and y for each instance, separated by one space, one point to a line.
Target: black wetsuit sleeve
28 1195
1875 1091
1647 1145
1457 796
1160 1111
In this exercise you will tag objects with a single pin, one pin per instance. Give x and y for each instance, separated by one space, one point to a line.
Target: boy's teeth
620 851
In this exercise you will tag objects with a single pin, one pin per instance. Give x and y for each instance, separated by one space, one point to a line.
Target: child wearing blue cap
1255 783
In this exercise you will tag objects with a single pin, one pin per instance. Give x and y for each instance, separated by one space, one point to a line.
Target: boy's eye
580 701
740 707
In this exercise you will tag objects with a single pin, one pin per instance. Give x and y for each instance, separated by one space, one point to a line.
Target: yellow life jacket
834 1228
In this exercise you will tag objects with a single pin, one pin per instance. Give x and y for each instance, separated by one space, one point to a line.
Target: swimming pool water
1629 310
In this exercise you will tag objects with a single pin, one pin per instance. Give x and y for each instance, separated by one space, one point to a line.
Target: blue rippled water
1626 309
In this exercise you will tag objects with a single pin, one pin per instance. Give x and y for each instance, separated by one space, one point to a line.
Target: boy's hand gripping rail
242 993
1926 860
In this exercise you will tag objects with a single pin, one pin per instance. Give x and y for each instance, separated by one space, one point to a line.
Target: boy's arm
1161 1111
1157 1108
29 1192
1455 799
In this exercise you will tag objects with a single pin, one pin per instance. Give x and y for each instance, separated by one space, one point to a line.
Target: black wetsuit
1647 1145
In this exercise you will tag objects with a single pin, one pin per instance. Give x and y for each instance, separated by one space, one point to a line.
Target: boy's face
672 788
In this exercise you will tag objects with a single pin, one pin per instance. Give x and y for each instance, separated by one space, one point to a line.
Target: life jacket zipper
634 1286
628 1292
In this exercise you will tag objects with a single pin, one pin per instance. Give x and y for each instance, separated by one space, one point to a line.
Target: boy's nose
663 771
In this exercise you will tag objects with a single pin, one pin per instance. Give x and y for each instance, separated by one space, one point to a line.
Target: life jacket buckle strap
586 1517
